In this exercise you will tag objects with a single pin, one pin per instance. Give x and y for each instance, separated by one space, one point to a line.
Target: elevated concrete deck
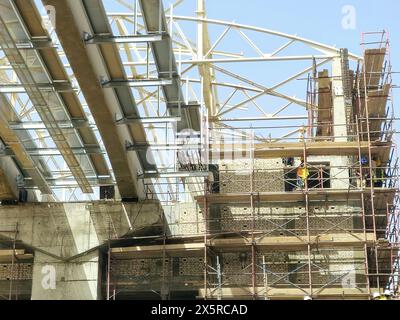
235 244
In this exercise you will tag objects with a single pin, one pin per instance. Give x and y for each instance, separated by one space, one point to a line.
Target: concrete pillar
340 174
339 105
55 279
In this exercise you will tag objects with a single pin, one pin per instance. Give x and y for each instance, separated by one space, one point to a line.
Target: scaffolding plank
313 195
293 242
149 251
285 293
6 255
373 65
296 149
239 243
377 102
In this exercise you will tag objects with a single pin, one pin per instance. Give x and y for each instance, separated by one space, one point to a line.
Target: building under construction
141 160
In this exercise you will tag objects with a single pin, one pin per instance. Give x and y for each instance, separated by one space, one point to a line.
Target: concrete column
340 175
339 105
54 279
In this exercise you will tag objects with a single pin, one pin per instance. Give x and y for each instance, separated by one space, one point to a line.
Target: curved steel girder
326 49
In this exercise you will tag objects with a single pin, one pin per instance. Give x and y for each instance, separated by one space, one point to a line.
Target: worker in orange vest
302 175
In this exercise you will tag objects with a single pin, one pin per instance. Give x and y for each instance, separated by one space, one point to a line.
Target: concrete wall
268 177
67 229
66 237
180 274
73 280
340 268
184 219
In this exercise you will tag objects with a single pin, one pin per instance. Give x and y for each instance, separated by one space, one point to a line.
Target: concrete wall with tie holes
342 267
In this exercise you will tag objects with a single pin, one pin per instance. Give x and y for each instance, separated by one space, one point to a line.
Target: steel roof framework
203 85
215 74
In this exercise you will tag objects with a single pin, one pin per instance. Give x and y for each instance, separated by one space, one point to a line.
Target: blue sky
318 20
312 19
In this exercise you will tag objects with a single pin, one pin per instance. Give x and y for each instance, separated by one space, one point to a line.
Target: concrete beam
314 195
296 149
78 228
68 28
331 240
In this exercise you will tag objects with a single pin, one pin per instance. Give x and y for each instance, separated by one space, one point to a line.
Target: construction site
141 159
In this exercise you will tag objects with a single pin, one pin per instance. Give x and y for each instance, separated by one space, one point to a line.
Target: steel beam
155 21
8 152
128 120
125 104
135 83
68 183
139 38
165 147
37 44
38 125
178 174
20 88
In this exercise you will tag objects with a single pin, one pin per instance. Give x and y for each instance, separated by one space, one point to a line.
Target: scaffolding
15 266
256 232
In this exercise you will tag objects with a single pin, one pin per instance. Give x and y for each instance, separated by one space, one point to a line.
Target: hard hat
307 298
364 160
376 295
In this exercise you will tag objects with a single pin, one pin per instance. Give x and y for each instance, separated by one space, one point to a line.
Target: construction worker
364 174
302 175
359 179
364 160
379 174
373 172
